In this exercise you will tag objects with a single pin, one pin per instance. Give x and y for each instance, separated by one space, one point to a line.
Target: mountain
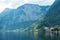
52 17
22 17
31 11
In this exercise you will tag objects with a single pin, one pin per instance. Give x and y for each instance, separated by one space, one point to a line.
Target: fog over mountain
13 4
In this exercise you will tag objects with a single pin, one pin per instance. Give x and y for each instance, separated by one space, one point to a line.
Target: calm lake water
29 36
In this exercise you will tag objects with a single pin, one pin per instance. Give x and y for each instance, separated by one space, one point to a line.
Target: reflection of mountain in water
22 17
29 36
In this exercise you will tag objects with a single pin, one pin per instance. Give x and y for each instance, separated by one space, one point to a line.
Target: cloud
2 7
16 3
42 2
39 2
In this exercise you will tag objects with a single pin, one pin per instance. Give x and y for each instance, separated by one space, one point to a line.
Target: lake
29 36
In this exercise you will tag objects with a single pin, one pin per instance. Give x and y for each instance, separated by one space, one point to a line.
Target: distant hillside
52 18
22 17
53 15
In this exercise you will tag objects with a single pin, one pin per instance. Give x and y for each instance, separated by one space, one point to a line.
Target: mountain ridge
17 17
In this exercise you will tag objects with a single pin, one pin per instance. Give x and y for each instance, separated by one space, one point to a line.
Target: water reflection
29 36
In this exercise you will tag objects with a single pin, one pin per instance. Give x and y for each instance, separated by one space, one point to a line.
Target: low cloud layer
15 3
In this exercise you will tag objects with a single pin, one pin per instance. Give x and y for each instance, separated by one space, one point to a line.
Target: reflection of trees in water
46 36
51 36
55 36
1 36
33 36
36 36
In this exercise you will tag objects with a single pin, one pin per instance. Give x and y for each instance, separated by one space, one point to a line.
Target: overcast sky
16 3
